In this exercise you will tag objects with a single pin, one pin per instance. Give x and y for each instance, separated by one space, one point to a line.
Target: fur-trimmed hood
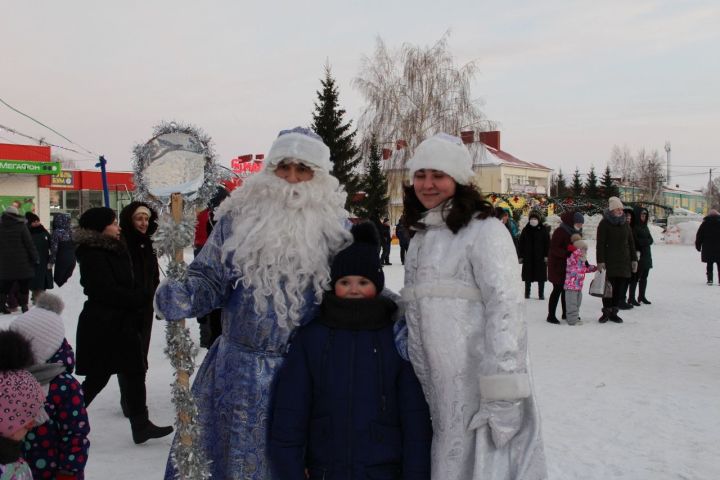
85 238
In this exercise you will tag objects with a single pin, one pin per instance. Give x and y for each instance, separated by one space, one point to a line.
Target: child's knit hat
42 326
21 397
580 244
362 258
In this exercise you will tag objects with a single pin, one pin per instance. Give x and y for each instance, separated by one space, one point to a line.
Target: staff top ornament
177 159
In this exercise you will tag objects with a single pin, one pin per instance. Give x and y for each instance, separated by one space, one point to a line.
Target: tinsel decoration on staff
176 230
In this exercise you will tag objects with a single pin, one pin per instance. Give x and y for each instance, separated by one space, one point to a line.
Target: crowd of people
315 369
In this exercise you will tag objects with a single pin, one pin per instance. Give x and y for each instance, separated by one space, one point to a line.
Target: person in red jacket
572 222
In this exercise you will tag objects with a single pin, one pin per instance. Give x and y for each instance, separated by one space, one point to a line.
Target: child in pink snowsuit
577 267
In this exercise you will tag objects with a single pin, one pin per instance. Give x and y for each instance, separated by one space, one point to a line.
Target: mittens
504 418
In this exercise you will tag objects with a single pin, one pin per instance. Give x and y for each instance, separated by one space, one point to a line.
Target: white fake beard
284 236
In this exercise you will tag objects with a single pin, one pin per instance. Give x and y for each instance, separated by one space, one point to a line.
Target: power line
42 142
42 124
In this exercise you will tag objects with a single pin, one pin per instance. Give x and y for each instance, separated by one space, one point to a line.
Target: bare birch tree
650 172
412 93
622 164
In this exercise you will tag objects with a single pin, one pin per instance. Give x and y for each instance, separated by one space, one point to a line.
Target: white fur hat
614 203
42 326
446 153
302 144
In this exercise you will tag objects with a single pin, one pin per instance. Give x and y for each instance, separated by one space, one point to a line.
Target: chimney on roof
491 139
467 136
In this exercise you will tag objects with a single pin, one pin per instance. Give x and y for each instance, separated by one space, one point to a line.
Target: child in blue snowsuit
346 404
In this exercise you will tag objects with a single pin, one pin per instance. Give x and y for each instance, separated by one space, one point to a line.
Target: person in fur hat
267 265
21 403
343 369
465 316
577 267
108 337
58 448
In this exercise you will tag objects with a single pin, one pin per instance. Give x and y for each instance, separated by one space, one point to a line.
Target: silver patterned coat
467 341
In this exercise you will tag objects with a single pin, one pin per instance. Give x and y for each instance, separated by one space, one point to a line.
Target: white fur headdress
302 144
446 153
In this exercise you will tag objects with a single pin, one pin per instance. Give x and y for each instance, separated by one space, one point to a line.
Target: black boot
527 289
124 407
631 295
3 305
143 429
553 320
642 298
623 305
614 316
605 315
541 290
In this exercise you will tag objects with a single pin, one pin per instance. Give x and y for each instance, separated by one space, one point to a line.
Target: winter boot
143 429
631 295
641 297
541 290
624 305
3 305
552 319
527 289
23 299
614 316
605 315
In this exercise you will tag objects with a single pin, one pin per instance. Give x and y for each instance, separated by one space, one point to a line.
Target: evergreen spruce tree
560 185
374 183
607 186
577 186
338 136
591 185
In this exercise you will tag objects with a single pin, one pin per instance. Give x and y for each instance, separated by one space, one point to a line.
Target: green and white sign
30 168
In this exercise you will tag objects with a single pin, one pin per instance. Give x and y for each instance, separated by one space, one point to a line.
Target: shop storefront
74 191
30 181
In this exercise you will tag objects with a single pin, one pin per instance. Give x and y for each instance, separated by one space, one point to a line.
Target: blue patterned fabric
234 384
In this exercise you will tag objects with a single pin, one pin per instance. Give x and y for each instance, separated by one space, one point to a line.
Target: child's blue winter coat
346 404
62 442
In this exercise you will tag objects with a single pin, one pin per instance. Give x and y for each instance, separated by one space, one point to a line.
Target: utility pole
710 191
667 158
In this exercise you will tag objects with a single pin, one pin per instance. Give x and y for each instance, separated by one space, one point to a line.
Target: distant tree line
644 171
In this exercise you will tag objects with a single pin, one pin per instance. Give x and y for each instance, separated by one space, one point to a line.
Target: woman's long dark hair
466 204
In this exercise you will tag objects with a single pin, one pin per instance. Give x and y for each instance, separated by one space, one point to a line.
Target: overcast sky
565 80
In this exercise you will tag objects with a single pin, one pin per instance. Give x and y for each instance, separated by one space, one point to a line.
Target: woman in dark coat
108 338
62 249
18 257
572 222
43 269
533 250
138 222
643 240
615 255
707 241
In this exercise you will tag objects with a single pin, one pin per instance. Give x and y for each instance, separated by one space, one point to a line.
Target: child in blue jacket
346 404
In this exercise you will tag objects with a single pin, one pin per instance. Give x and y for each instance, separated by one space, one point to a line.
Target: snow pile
657 232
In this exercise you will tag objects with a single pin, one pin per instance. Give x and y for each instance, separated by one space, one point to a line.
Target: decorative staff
176 170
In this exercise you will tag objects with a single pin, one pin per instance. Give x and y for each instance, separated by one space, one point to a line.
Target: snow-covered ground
635 401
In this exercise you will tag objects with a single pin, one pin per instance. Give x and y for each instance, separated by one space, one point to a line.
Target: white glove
504 418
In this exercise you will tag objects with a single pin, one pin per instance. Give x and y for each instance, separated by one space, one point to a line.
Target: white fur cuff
505 387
